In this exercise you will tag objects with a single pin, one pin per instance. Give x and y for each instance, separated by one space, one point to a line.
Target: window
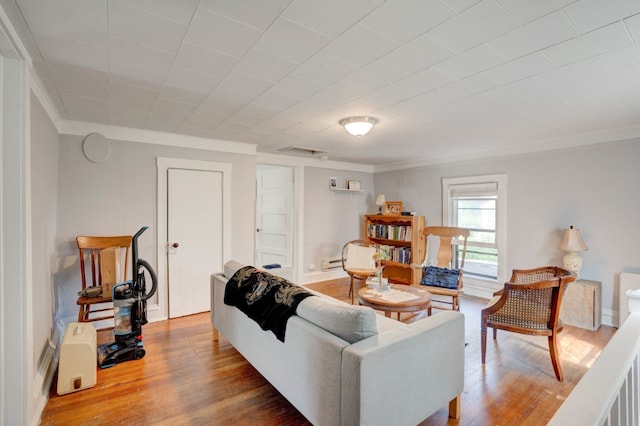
478 204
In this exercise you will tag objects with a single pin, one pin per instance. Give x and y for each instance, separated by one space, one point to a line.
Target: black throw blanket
267 299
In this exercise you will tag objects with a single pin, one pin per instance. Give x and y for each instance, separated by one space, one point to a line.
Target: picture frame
393 208
333 182
353 185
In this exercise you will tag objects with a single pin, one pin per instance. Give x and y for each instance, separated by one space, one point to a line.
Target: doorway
199 224
275 218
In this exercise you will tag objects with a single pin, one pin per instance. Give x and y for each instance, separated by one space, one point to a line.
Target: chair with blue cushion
443 265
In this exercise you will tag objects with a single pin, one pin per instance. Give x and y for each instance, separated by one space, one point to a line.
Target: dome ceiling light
358 126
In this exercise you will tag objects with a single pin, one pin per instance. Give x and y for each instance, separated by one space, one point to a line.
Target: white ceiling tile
297 87
163 122
140 27
587 15
388 96
205 61
515 89
192 81
526 10
126 118
55 20
375 75
180 11
264 66
95 106
359 46
82 75
418 54
139 57
460 5
98 7
123 92
620 58
216 32
322 17
633 25
277 100
168 106
244 84
323 69
182 95
288 40
460 89
476 25
404 20
470 62
134 77
75 87
73 53
257 14
572 72
591 44
536 35
520 68
425 81
229 100
116 104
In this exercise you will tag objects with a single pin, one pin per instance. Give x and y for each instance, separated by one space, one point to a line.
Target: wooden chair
529 304
444 258
358 260
93 270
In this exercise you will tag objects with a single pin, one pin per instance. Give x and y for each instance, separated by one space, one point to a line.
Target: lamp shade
358 126
380 200
572 241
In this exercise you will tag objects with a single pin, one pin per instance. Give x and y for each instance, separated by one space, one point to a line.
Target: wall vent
331 264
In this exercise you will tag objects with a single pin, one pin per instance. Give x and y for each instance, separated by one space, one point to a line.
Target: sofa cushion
349 322
231 267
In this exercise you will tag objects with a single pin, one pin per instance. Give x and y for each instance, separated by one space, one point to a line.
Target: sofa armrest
402 376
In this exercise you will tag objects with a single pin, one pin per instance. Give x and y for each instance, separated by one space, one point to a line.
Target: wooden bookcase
404 234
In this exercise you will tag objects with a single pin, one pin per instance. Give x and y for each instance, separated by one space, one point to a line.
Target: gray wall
119 196
44 178
332 218
594 188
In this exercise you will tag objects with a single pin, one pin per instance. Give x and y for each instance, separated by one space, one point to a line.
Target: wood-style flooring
188 379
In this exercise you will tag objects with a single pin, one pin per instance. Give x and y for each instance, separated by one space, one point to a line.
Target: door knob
175 245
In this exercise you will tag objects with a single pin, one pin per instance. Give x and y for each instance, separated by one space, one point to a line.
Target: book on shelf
389 232
397 254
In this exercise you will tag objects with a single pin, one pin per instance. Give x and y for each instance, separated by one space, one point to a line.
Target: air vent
299 150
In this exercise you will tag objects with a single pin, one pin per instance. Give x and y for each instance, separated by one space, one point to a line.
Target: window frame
501 215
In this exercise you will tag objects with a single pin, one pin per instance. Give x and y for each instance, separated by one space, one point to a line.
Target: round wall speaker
96 148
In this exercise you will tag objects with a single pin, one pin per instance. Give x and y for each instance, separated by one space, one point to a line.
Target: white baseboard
480 288
314 277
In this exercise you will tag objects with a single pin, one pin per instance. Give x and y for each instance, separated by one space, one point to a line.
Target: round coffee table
400 298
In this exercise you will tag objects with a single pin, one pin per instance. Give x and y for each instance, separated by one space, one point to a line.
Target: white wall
332 218
44 179
594 188
119 196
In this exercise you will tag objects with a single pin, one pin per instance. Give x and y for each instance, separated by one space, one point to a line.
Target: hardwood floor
188 379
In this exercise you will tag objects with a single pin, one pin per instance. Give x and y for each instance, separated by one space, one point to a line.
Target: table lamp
573 244
380 202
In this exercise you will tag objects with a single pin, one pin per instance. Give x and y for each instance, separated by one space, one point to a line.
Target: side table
582 304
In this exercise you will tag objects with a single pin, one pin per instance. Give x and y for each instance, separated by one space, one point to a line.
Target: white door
194 230
274 215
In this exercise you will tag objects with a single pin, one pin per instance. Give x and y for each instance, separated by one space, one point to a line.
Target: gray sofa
346 365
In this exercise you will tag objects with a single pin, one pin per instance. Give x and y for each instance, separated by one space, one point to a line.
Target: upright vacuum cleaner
130 312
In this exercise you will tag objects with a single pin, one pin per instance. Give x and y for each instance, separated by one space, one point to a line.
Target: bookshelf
405 239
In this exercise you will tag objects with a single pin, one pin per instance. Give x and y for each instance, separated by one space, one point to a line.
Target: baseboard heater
331 264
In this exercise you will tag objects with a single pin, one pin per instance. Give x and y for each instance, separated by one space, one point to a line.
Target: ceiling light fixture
358 126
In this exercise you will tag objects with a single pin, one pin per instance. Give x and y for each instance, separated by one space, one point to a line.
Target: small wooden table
400 298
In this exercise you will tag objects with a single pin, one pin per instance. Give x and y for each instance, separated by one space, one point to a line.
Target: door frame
160 310
298 207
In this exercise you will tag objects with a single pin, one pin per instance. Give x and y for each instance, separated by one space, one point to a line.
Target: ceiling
446 79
